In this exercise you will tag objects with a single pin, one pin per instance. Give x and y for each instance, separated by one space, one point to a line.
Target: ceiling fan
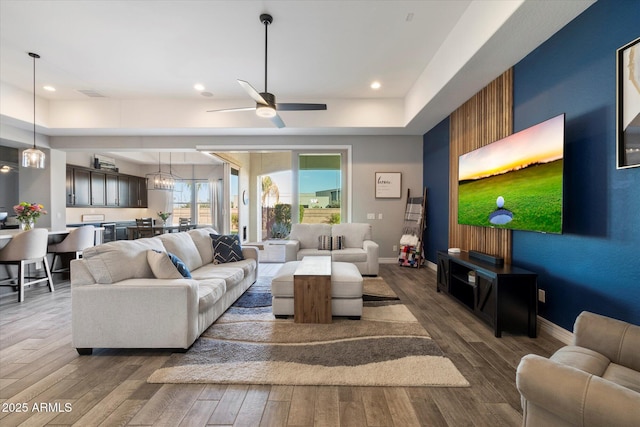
266 105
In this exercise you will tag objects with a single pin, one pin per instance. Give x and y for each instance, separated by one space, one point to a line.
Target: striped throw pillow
324 243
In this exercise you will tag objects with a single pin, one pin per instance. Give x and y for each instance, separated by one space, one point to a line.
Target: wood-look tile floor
43 381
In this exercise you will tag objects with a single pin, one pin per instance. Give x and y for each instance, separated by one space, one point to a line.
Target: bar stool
25 248
76 241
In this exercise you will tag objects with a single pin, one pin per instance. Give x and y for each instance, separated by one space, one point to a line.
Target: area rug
247 345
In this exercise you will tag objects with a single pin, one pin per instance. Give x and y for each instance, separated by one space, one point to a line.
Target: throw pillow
180 266
324 243
338 243
226 248
161 265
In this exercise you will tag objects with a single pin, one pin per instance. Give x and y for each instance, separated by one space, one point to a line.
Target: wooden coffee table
312 290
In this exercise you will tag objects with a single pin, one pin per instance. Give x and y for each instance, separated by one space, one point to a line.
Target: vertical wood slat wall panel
486 117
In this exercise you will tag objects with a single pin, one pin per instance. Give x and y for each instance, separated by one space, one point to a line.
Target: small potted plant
164 216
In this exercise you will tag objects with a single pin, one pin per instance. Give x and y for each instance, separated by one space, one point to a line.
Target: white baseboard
555 331
388 260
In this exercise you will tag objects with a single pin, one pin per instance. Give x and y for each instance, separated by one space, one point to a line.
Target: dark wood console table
505 297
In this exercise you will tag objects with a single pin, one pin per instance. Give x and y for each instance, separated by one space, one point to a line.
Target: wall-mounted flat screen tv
515 182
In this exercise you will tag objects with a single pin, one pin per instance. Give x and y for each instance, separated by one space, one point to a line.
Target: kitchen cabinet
78 187
97 189
111 190
93 187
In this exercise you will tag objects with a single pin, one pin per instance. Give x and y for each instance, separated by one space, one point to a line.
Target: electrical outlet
542 296
371 216
379 216
395 248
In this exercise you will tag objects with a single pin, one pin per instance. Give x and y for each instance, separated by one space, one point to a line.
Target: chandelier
161 180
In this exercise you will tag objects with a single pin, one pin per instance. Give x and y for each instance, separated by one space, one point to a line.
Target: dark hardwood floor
43 381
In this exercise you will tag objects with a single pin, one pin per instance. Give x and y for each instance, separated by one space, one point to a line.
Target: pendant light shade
32 157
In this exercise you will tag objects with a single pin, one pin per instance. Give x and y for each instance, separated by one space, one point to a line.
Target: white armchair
357 248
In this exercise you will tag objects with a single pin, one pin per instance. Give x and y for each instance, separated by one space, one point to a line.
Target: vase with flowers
28 213
164 216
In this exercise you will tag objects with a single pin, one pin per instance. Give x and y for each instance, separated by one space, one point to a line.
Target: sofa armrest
135 313
615 339
371 248
572 396
250 252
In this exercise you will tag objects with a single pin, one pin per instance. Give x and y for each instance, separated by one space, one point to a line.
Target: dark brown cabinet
91 187
505 297
111 190
78 187
97 189
137 192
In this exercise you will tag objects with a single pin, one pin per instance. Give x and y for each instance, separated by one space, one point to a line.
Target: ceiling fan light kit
266 105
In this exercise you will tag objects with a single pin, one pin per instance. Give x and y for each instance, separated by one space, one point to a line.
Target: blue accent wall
595 264
436 179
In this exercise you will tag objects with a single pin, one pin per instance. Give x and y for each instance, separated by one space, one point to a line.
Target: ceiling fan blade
252 92
299 107
276 120
231 110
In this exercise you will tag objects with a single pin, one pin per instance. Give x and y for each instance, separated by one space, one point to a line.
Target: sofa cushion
231 274
201 238
124 259
226 248
182 246
311 252
307 234
162 266
582 358
324 242
349 255
209 292
623 376
354 233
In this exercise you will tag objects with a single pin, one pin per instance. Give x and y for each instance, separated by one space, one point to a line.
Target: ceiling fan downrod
266 19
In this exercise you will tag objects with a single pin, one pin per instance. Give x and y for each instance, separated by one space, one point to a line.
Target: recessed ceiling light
199 87
49 88
376 85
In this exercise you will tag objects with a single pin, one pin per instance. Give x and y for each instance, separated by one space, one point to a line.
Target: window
320 188
192 199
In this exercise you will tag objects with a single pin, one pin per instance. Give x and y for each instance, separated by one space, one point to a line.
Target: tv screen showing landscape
515 182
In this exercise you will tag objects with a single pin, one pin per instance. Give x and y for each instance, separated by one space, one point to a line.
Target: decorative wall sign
388 185
628 108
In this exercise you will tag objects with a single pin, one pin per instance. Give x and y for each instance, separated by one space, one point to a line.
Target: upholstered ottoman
346 290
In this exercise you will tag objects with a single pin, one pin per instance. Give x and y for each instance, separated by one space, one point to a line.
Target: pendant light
32 157
160 180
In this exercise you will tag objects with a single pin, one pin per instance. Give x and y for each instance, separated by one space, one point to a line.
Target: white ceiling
145 56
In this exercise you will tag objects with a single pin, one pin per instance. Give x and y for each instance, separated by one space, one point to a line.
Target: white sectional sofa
358 246
117 301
